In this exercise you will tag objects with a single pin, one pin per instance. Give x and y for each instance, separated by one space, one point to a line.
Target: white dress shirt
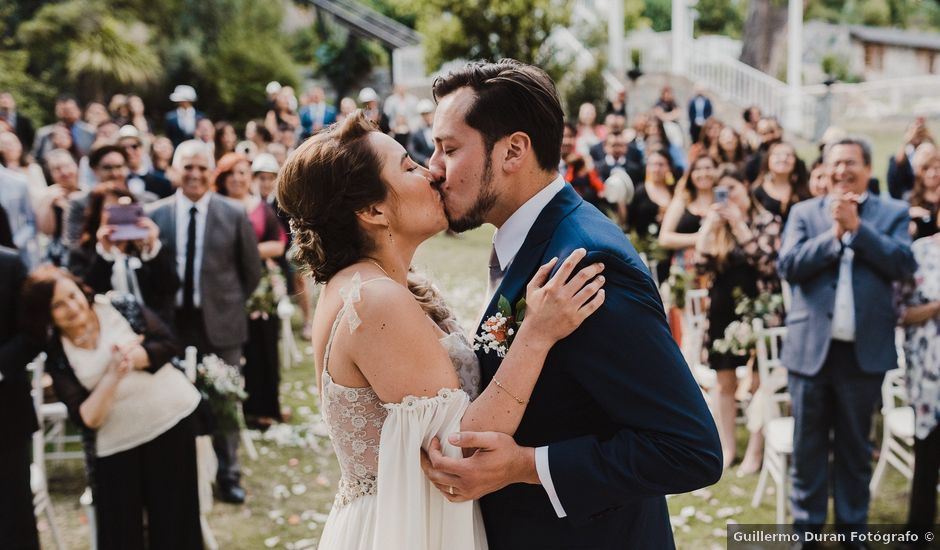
699 110
183 205
843 314
186 119
507 242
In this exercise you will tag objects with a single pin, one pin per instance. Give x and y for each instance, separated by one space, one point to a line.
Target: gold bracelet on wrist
509 393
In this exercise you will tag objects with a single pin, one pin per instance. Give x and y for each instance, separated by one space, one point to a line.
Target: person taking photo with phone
106 258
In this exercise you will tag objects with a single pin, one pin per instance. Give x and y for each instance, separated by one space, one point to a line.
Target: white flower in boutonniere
498 331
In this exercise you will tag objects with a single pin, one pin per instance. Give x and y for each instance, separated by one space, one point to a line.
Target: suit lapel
527 262
214 223
869 213
170 225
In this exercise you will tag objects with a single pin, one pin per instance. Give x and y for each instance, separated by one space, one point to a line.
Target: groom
616 421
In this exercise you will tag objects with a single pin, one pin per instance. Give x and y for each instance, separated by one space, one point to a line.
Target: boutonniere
498 331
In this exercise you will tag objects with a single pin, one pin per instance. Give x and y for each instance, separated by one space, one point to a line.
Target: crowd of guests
730 203
124 239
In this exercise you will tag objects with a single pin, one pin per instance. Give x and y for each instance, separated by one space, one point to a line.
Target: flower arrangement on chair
223 386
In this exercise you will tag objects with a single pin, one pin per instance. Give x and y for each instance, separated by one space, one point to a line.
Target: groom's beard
486 199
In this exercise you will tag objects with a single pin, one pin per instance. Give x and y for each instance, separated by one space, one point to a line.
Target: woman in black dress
692 200
652 197
737 249
782 181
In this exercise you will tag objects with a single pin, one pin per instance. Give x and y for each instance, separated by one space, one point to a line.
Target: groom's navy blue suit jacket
624 421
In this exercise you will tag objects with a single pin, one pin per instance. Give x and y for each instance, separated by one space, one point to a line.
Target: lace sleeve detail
352 295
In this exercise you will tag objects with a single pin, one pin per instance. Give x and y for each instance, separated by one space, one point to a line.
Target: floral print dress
922 341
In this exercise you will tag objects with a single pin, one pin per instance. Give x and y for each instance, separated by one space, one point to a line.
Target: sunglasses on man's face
134 146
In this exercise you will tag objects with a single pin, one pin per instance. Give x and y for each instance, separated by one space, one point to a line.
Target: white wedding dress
384 501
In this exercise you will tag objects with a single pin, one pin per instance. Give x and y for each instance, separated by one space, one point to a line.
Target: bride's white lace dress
384 501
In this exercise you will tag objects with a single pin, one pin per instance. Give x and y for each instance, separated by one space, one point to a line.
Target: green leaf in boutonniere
520 311
502 306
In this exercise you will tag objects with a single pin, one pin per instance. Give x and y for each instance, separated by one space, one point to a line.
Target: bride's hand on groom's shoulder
496 462
557 304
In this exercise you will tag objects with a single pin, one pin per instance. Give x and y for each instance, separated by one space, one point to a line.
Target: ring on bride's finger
450 489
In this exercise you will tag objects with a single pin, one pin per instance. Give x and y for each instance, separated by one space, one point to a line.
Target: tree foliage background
227 49
461 29
728 16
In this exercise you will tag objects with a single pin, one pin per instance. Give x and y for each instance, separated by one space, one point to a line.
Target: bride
396 370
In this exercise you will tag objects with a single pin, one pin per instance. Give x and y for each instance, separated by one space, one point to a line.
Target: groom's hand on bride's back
497 461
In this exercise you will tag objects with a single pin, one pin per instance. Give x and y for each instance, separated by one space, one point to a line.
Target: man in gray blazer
840 253
217 260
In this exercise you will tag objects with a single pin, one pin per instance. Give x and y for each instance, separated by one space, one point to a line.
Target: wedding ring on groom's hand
450 489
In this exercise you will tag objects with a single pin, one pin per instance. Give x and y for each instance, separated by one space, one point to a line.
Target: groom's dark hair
510 97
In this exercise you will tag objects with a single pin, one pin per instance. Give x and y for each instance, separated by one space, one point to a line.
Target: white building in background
869 53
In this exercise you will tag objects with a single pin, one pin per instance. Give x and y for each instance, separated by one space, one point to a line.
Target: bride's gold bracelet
509 393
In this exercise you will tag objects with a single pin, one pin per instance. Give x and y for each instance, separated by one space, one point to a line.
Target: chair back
893 391
38 368
769 342
899 338
696 304
695 321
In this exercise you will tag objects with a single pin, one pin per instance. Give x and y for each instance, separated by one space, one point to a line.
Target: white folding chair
88 505
778 429
42 502
290 353
52 421
694 321
898 428
205 461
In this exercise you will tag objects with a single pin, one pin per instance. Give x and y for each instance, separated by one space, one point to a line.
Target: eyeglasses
111 167
132 146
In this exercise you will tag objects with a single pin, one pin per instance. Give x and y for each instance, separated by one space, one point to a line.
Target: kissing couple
576 413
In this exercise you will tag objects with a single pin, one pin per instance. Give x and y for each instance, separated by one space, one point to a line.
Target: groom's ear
518 149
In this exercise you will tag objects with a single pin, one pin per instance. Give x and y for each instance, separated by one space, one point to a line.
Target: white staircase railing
739 82
713 62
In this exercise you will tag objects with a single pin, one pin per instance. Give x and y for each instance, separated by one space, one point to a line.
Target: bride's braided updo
329 178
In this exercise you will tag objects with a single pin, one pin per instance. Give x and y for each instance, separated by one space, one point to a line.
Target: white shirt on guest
843 314
183 204
186 118
508 241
